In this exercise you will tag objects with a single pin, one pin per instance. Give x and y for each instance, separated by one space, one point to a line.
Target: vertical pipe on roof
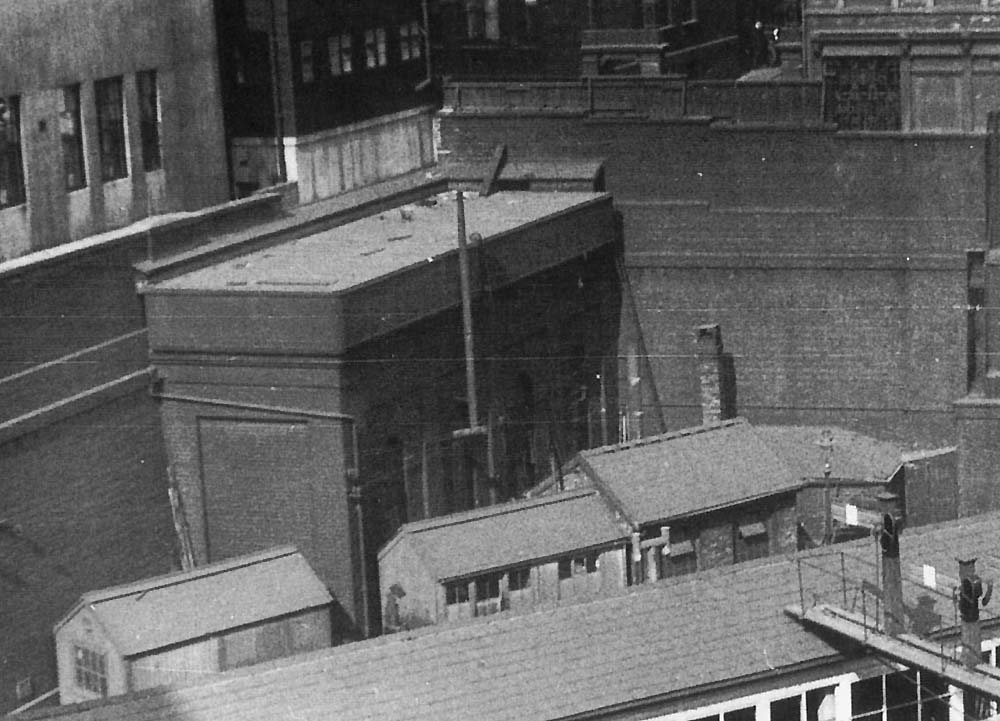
463 269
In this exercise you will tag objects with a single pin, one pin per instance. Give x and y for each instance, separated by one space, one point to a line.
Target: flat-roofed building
311 389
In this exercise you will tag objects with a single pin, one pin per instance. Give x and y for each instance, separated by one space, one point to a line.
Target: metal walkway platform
905 648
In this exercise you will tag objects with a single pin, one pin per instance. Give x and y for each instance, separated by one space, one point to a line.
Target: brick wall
834 263
88 499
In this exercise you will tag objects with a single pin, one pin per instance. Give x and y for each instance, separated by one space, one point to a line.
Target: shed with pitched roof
181 627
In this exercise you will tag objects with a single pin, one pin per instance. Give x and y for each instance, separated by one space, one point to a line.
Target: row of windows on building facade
339 55
900 694
492 592
112 137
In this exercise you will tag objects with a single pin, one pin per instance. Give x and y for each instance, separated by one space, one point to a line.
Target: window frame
12 187
71 138
376 50
340 49
456 592
109 97
90 670
410 41
150 119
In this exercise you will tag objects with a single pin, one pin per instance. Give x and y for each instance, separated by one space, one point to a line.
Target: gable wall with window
83 651
81 119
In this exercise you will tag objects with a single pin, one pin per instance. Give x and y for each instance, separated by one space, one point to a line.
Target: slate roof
854 456
677 474
718 627
166 610
512 533
349 255
698 469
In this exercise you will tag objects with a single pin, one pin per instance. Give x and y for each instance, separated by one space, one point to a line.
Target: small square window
488 587
519 579
456 592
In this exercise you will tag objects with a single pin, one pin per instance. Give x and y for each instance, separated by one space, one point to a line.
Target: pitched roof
507 534
716 627
161 611
677 474
697 469
853 455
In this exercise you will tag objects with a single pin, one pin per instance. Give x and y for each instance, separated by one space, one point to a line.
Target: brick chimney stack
715 374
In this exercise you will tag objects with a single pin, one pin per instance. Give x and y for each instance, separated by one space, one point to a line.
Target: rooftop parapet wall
789 102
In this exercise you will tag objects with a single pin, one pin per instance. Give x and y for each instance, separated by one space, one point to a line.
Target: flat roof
362 251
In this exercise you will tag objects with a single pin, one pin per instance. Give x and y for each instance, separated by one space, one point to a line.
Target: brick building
530 39
331 96
99 129
718 644
332 430
905 66
657 508
835 260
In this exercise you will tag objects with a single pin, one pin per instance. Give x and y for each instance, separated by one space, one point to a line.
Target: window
11 167
149 120
682 558
339 49
456 592
409 40
71 136
91 670
483 19
488 594
375 51
519 579
893 697
787 709
751 541
111 128
306 61
740 714
862 93
578 566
